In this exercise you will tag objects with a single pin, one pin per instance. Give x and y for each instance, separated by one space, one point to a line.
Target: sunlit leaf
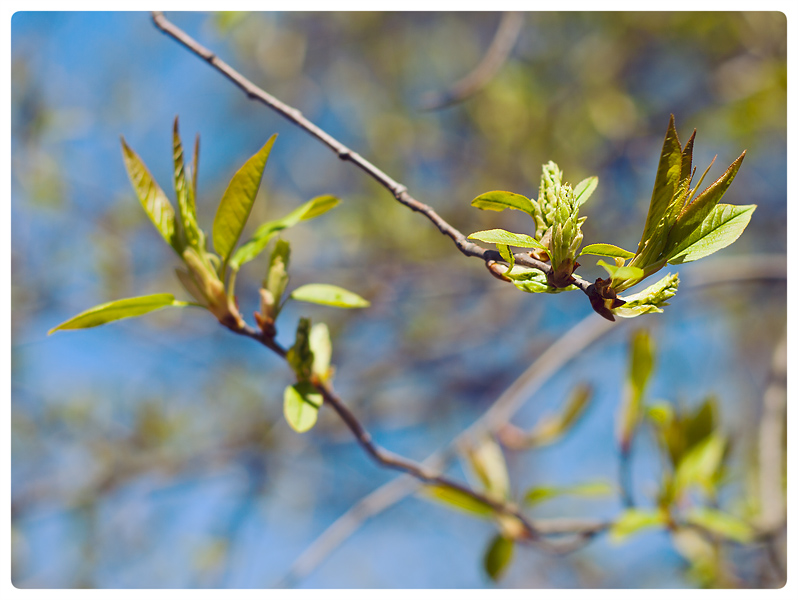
498 557
584 189
641 363
721 523
693 215
119 309
634 520
331 295
622 277
276 279
722 226
606 250
650 299
550 428
457 499
487 461
184 192
237 200
700 465
263 235
666 182
321 346
507 255
301 403
498 201
500 236
152 197
536 495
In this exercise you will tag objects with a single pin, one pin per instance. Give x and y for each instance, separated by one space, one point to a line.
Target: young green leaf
721 523
550 428
536 495
584 189
300 356
534 282
457 499
119 309
721 227
500 236
507 255
152 197
700 465
634 520
498 201
606 250
331 295
666 182
650 299
237 200
301 403
487 461
321 346
185 194
498 557
622 277
693 215
309 210
277 277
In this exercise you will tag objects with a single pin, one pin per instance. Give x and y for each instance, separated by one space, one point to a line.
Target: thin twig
497 54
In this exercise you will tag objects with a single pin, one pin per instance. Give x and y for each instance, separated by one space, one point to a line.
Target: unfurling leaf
119 309
721 227
622 277
584 189
507 255
300 356
301 403
533 281
487 461
321 346
498 557
498 201
650 299
237 200
185 196
276 279
263 234
331 295
500 236
700 465
152 198
606 250
536 495
550 428
634 520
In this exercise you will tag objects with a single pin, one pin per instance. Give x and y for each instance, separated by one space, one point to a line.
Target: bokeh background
153 453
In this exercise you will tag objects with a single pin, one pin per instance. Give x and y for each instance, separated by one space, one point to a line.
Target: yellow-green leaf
584 189
606 250
722 227
152 197
301 403
119 309
185 193
498 201
457 499
487 461
321 346
634 520
331 295
237 200
498 557
536 495
641 365
721 523
500 236
700 465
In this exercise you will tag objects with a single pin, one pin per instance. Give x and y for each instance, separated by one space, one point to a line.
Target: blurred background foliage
153 452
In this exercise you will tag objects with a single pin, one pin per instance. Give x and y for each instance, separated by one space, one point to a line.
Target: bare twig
497 54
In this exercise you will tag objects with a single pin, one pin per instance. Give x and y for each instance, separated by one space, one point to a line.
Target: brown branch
497 54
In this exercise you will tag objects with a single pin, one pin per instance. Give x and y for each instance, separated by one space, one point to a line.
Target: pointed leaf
722 227
584 189
487 461
152 197
263 235
606 250
321 346
185 194
500 236
119 309
634 520
331 295
536 495
722 523
300 356
687 158
236 203
277 277
626 275
641 365
700 465
666 182
498 201
507 255
498 557
650 299
694 214
301 403
195 166
457 499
